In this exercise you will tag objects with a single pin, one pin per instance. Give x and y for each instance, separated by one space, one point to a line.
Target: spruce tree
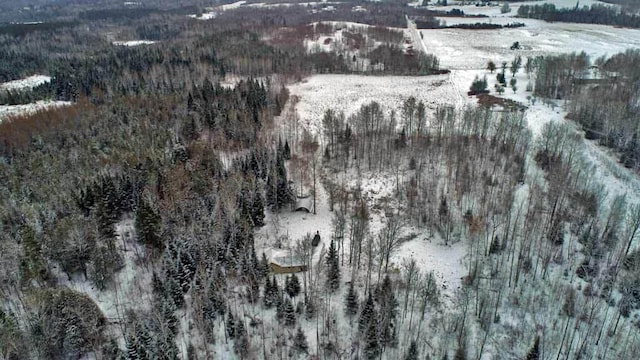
310 308
300 344
351 301
267 299
292 286
534 352
412 353
289 313
286 151
230 326
132 349
366 315
372 346
148 225
241 342
263 267
461 352
257 208
333 265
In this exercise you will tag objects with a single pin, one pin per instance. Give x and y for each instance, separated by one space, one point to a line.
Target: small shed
287 264
304 204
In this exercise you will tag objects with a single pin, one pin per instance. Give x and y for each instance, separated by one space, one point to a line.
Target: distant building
304 204
287 264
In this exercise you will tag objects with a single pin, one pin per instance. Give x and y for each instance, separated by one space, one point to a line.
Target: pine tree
132 349
289 313
300 344
461 352
286 152
292 286
412 353
310 308
148 225
367 314
230 326
534 352
333 265
267 299
168 315
257 208
241 343
372 346
105 221
263 267
351 301
280 310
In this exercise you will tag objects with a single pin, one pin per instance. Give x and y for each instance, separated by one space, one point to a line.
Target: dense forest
596 14
138 220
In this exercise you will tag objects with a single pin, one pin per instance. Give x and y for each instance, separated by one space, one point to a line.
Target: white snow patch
26 83
133 42
348 93
13 110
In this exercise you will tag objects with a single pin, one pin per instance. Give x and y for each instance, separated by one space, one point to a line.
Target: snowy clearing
348 93
133 42
28 82
12 110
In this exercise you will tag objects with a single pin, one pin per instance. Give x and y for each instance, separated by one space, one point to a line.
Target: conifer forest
339 180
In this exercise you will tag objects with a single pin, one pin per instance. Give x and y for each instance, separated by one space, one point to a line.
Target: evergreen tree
289 315
300 344
367 314
241 342
267 299
285 194
105 221
372 346
148 224
257 208
170 320
286 152
292 286
351 301
310 308
132 349
534 352
412 353
263 267
333 265
230 325
461 352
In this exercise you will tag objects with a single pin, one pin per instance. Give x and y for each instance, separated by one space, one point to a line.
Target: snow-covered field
11 110
133 42
466 53
471 49
28 82
493 10
349 92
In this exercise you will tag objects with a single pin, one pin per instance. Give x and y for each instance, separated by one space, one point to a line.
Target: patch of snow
29 82
133 42
234 5
13 110
348 93
205 16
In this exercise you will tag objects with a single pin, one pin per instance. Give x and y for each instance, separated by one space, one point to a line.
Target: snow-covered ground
28 82
466 53
133 42
472 49
12 110
493 10
349 92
